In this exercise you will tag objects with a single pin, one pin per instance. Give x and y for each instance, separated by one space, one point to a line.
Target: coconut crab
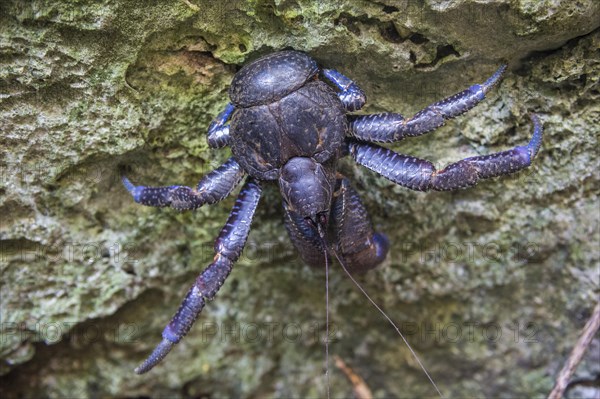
289 122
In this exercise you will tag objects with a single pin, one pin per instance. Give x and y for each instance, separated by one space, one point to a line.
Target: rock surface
490 285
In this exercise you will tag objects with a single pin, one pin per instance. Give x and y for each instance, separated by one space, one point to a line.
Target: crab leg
218 132
358 245
350 95
212 188
228 247
390 127
419 174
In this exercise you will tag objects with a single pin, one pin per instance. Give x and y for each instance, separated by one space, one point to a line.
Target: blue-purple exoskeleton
288 122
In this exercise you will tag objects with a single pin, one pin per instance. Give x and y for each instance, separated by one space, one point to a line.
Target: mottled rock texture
491 285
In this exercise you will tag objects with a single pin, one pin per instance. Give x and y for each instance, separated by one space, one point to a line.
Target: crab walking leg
390 127
228 247
350 95
212 188
358 245
419 174
218 131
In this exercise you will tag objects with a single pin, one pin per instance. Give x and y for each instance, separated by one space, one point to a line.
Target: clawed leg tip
536 139
144 368
157 355
127 183
494 79
537 124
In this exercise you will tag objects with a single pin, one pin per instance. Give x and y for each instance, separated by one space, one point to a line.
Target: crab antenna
389 320
326 254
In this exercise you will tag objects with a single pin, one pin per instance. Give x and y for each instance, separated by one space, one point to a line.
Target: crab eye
322 218
310 222
320 222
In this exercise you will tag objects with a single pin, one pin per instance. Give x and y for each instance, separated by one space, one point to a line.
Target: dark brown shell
309 122
270 78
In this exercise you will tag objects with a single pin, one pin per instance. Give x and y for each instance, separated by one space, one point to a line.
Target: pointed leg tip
494 79
127 183
537 124
143 368
159 353
536 139
501 70
125 180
